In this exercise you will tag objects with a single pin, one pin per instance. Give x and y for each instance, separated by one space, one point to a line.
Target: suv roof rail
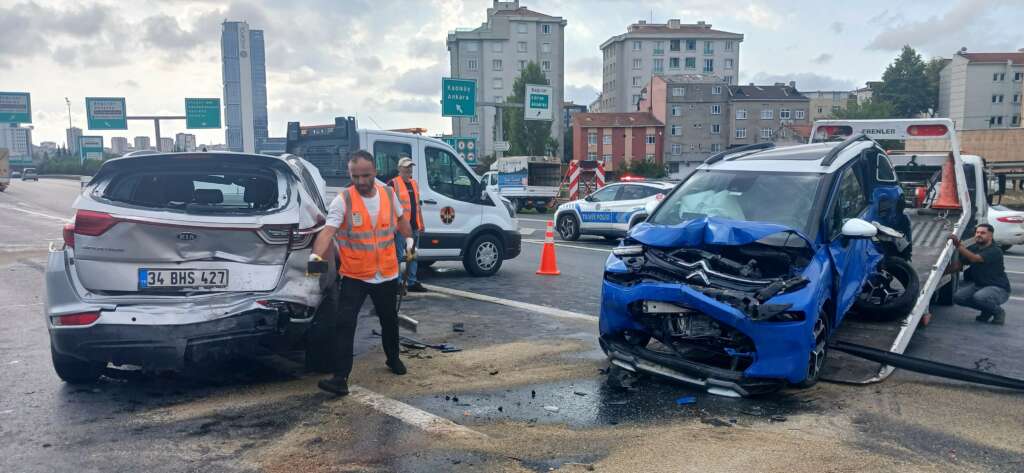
834 152
756 146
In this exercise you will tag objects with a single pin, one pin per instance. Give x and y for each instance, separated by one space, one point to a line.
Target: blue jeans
400 250
986 299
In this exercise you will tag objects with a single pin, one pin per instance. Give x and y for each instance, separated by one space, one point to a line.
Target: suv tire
887 307
568 227
483 257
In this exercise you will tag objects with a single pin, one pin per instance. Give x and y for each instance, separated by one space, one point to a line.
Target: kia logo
187 236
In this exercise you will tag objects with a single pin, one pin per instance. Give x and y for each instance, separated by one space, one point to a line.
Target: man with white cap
408 193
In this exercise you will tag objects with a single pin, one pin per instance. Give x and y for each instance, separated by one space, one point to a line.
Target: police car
611 210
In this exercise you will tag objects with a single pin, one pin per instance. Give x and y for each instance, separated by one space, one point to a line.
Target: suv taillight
69 235
92 223
82 318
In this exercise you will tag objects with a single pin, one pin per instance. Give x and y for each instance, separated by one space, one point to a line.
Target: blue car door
852 258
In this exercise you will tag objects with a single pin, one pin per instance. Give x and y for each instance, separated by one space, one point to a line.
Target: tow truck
707 278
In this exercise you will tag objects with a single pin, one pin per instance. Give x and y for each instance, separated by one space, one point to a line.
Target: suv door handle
430 201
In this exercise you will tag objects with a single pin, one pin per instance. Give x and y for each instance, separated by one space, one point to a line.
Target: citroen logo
187 236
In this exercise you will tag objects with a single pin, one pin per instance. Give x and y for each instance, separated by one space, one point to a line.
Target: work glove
410 248
316 265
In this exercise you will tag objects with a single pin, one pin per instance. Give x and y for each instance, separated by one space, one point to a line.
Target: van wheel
890 292
75 371
484 256
568 227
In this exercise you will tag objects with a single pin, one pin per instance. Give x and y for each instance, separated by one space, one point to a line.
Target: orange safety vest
366 250
403 197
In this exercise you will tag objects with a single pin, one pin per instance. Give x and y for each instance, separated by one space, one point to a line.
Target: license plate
182 278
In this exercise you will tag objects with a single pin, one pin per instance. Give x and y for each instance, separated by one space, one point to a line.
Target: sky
382 60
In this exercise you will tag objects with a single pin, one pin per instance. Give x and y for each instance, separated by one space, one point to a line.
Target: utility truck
529 182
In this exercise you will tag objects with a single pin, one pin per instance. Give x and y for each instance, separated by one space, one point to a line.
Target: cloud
581 94
805 81
413 105
421 81
427 49
823 58
586 66
940 33
836 27
164 32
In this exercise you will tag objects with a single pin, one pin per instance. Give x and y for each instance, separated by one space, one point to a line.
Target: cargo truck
529 182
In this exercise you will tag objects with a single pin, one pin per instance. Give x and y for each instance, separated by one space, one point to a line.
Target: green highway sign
90 147
464 146
202 113
106 113
458 97
538 103
15 107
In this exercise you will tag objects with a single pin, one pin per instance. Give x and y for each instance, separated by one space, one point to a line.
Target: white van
463 220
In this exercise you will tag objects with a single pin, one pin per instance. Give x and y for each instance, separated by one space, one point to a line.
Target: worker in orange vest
363 219
408 192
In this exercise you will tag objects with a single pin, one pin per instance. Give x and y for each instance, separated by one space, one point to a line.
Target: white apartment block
185 142
18 141
119 145
825 103
495 54
983 90
672 48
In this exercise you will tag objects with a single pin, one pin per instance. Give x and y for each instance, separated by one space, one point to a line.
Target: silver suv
185 257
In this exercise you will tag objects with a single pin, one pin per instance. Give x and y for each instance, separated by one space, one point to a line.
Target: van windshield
240 192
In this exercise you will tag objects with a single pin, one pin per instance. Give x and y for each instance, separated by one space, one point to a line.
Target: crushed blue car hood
707 230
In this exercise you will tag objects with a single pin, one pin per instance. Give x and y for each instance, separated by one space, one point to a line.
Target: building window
659 65
767 114
820 110
716 109
649 139
673 63
1018 76
521 65
591 156
800 114
677 149
471 64
741 114
1016 120
659 48
698 125
716 129
995 121
999 76
741 133
592 138
997 98
637 45
709 65
497 83
545 47
545 65
1016 98
673 45
785 114
727 79
677 111
496 46
679 91
766 133
496 64
636 81
474 119
606 139
691 63
716 90
728 45
728 64
716 147
521 28
691 45
638 63
521 46
677 130
545 29
709 47
636 100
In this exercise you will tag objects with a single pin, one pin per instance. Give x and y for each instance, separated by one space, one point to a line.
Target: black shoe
337 386
416 287
983 317
397 367
1000 318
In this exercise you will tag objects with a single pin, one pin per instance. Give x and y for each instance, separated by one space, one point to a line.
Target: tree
525 137
871 108
568 149
905 85
645 168
931 71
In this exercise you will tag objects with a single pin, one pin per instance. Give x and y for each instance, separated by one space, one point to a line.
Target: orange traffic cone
948 199
548 264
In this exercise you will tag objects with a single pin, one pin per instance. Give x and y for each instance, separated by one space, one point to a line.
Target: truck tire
540 209
881 299
484 256
944 296
568 227
75 371
321 343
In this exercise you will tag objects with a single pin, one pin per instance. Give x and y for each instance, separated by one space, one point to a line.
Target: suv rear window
242 192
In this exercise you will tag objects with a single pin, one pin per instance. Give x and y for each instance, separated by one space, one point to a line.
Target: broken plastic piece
551 408
686 400
458 327
717 391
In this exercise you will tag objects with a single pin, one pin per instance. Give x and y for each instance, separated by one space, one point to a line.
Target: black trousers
350 301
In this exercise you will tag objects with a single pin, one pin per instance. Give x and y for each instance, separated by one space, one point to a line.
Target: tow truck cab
463 220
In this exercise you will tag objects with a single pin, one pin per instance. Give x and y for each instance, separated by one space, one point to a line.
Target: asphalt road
524 394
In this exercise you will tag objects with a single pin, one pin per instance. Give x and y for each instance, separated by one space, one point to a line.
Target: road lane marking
527 231
1012 298
415 417
541 242
1014 272
38 214
540 309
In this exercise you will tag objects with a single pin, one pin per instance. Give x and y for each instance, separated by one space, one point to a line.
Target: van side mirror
858 228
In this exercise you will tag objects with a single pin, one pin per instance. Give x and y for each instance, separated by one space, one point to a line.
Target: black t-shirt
990 272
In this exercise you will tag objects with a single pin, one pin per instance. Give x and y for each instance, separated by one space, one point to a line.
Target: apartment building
983 90
617 139
761 113
672 48
825 103
695 111
495 53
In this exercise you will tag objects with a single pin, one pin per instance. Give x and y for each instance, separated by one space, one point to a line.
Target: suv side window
634 192
849 201
447 176
386 155
605 194
885 172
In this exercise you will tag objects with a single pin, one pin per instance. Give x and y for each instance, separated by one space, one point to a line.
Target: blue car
739 277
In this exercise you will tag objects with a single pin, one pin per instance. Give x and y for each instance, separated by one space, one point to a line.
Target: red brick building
617 139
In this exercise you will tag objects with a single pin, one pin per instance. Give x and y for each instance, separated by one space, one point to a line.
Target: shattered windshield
780 198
